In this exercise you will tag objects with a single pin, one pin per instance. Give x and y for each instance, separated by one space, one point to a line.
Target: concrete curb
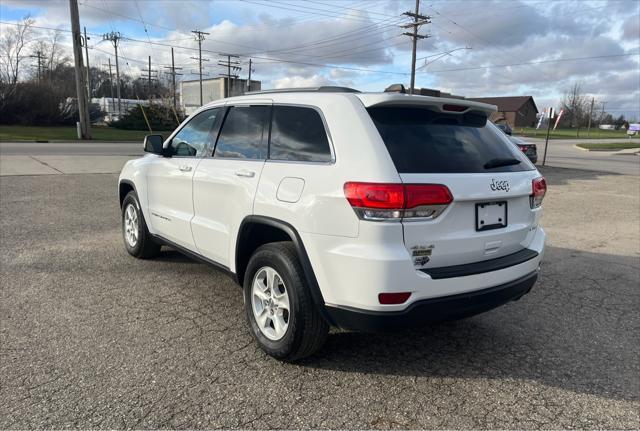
629 151
623 151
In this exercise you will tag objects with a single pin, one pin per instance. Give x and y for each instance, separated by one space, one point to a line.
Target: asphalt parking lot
92 338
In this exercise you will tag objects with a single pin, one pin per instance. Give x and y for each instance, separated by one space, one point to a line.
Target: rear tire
281 314
137 239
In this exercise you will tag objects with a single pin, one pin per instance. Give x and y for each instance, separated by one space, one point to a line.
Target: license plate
491 215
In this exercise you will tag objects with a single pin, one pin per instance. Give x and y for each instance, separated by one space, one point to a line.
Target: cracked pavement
93 338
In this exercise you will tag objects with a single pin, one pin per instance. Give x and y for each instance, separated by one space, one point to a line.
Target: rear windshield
424 141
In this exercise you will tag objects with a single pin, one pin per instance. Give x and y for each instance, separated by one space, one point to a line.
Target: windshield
423 141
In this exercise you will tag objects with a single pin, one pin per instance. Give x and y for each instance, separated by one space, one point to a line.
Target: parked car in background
505 128
530 150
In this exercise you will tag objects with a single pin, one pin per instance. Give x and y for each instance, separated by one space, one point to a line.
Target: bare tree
55 53
575 103
12 45
52 52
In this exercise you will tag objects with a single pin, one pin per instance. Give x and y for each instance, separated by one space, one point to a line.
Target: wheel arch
124 187
257 230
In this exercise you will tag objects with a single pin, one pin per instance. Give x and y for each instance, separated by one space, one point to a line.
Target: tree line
37 81
578 110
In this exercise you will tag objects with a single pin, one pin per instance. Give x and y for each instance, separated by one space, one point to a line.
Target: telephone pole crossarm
419 36
413 24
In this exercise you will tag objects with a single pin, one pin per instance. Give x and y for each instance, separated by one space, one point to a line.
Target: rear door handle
185 168
245 173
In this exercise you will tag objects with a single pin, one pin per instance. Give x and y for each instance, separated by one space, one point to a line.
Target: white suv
331 207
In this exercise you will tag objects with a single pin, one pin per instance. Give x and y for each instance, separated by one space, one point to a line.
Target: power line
305 10
351 8
279 60
354 51
334 39
534 62
86 4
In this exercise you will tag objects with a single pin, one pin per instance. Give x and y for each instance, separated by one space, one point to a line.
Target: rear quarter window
298 134
424 141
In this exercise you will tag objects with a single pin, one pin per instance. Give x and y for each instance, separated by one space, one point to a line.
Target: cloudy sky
514 45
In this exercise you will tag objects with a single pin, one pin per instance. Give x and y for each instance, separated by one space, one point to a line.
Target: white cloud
631 28
299 81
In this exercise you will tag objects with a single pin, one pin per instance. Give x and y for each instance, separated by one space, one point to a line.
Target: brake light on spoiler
393 202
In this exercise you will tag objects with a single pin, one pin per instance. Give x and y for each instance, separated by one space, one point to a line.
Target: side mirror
153 144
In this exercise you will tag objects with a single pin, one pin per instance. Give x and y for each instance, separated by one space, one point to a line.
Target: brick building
517 111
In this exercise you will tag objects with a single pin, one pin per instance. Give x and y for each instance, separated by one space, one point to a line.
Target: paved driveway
563 154
92 338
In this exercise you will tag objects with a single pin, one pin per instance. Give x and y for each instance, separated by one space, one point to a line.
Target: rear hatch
452 143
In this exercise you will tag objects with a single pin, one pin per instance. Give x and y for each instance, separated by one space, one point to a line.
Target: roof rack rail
322 89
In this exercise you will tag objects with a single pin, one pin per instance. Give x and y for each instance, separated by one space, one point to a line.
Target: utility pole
150 78
115 37
249 80
86 51
199 38
590 114
173 74
113 101
602 112
231 65
418 20
83 106
40 57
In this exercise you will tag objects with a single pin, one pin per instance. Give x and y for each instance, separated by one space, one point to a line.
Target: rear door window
424 141
244 133
298 134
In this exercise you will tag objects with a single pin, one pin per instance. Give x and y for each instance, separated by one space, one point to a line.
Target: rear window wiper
496 163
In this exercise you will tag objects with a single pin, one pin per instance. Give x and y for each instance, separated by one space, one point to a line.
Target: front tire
280 311
137 239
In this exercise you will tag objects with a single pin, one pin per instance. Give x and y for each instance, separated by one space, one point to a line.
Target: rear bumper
433 309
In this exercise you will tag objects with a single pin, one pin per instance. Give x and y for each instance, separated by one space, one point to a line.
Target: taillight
393 298
538 190
392 202
522 148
